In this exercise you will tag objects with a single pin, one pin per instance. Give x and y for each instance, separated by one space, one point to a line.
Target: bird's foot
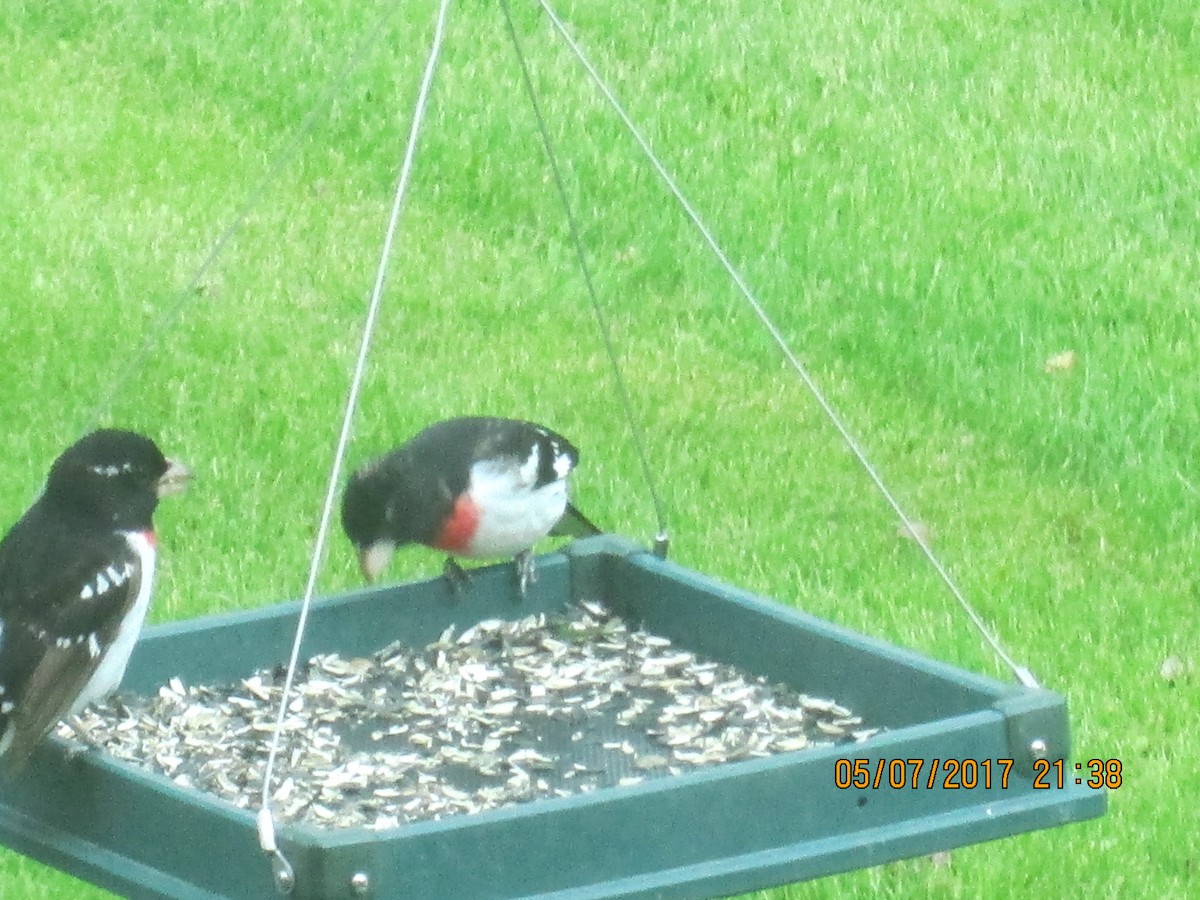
457 577
526 570
83 740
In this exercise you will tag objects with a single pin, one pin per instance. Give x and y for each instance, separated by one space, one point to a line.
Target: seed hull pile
506 711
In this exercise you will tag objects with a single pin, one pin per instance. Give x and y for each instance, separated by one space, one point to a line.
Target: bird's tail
574 524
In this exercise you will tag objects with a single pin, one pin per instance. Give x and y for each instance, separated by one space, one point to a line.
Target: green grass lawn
931 200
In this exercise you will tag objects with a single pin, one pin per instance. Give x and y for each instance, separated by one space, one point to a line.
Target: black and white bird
474 486
75 580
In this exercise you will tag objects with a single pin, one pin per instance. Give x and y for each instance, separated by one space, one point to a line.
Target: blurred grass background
934 203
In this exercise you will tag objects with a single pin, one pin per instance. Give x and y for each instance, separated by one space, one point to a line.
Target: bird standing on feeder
474 487
75 579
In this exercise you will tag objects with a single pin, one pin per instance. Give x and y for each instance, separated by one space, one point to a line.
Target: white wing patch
562 463
527 473
115 657
105 581
67 642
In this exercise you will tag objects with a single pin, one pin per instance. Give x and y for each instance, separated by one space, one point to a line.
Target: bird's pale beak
174 480
373 559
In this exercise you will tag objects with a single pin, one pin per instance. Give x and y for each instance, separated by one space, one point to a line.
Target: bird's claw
459 578
456 576
82 741
526 571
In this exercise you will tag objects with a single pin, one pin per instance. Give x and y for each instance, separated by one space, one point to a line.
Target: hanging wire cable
662 538
170 314
266 827
1023 674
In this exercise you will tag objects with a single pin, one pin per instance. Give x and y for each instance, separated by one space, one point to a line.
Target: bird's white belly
111 670
512 520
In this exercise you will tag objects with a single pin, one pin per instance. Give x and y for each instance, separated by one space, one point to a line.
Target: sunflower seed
506 712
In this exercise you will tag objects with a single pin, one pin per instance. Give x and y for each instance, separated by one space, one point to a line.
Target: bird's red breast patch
151 537
459 526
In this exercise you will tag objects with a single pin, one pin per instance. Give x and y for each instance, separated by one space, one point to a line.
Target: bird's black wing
63 595
451 447
515 440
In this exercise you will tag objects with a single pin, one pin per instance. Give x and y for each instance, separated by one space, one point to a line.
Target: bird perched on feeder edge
475 486
75 579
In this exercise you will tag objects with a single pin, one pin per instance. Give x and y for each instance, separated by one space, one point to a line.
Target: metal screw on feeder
1038 749
285 878
360 884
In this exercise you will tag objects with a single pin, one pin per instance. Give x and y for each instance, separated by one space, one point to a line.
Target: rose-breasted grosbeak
474 487
75 581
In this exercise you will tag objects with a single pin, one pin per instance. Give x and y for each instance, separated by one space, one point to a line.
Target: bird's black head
364 514
114 476
369 518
